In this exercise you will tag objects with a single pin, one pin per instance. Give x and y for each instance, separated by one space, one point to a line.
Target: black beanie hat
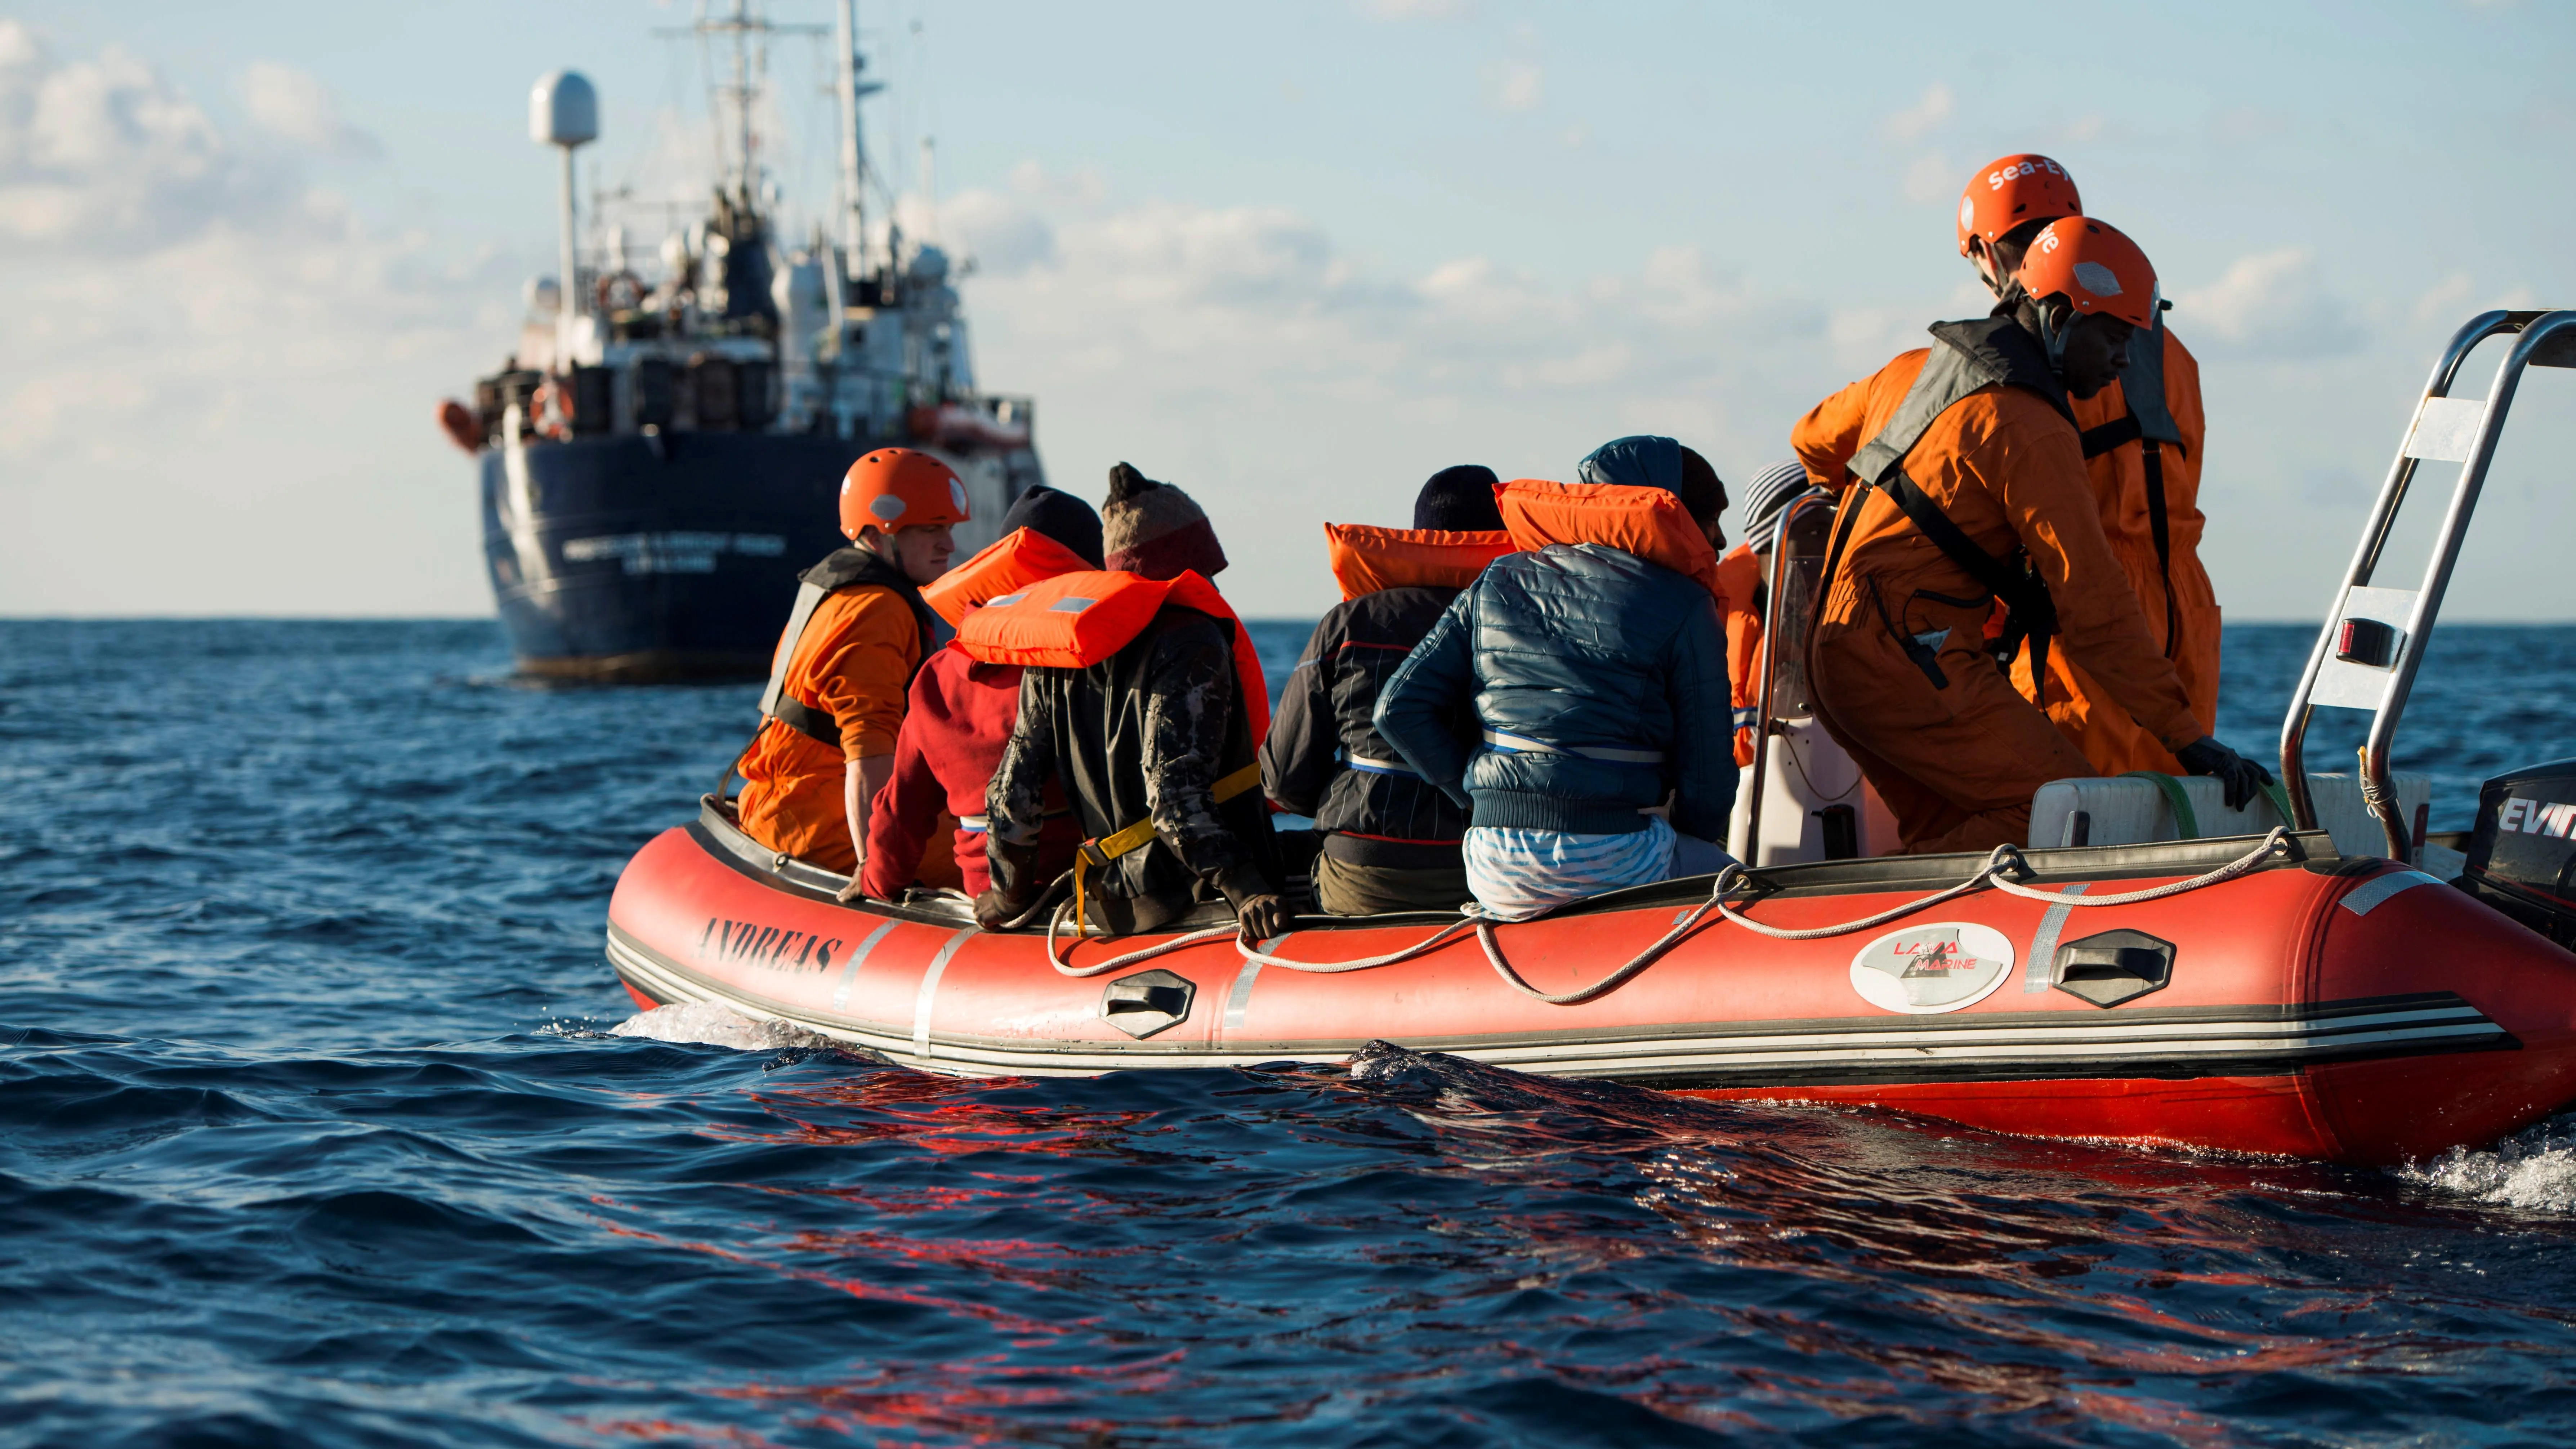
1460 499
1060 516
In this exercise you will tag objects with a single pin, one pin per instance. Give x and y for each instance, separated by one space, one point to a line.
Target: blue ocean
323 1122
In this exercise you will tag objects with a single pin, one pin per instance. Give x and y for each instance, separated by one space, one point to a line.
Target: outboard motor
2522 859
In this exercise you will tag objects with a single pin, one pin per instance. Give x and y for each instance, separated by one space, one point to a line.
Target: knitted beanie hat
1060 516
1767 499
1460 499
1155 529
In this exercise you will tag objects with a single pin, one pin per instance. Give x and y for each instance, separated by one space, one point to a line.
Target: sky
1293 257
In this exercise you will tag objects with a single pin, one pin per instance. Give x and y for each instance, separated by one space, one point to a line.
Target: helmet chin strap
2052 336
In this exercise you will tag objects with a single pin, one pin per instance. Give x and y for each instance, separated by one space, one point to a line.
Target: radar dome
563 110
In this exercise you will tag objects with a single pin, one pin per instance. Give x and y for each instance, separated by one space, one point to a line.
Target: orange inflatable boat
2263 993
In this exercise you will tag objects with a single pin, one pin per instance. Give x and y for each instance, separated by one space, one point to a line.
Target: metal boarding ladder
2373 640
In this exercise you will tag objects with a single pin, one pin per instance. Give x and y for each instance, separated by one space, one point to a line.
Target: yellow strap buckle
1096 854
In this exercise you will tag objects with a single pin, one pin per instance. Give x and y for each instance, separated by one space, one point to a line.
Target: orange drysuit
1958 760
2114 742
1740 607
854 662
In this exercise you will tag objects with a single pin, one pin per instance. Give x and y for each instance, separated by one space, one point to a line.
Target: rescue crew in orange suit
858 633
1743 576
1967 484
2142 449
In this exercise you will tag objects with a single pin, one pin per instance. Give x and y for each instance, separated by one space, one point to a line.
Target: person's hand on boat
1258 918
993 909
2240 779
850 892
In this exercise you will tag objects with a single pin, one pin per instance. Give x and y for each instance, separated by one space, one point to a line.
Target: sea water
322 1121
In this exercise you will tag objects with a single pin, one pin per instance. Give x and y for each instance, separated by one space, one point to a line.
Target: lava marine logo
772 947
1924 970
2538 817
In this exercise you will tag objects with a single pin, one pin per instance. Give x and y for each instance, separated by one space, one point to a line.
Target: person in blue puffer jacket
1599 682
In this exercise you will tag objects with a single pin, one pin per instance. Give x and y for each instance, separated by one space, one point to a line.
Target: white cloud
106 155
2273 305
1931 178
297 107
1284 379
1002 236
1418 9
1924 117
1515 84
214 360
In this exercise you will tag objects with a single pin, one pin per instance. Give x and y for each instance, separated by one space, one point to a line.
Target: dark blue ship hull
643 558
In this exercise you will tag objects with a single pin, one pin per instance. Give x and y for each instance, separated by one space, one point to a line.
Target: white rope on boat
1991 872
2273 844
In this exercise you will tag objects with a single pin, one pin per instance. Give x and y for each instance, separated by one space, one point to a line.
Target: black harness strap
2100 440
1972 355
2150 425
841 569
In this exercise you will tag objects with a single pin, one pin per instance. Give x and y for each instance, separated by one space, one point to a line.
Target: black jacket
1146 733
1324 757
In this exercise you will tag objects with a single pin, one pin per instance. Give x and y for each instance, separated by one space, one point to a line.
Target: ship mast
853 175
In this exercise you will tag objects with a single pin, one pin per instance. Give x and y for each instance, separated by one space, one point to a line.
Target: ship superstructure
660 456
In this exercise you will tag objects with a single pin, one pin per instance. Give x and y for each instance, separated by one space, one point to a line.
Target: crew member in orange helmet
2142 440
837 684
1967 484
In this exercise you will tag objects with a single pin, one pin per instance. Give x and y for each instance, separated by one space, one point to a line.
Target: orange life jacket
1367 559
1076 620
1014 561
1739 578
1648 522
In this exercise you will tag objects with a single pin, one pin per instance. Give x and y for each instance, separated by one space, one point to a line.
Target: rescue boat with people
2339 985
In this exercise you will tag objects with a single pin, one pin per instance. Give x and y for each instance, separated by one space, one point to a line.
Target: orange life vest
1076 620
1367 559
1648 522
1014 561
1739 578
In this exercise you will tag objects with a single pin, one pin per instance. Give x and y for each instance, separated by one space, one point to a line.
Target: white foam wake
715 1024
2534 1169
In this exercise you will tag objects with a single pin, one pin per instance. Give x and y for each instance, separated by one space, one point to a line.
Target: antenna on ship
563 111
854 153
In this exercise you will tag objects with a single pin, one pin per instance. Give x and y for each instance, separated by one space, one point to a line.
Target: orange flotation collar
1018 559
1647 522
1367 559
1076 620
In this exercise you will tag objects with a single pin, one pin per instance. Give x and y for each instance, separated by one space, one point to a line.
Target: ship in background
661 456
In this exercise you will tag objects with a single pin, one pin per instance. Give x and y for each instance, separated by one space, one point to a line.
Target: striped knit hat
1155 529
1767 499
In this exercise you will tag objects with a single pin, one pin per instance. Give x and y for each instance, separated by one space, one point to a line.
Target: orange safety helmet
893 488
2011 191
2096 266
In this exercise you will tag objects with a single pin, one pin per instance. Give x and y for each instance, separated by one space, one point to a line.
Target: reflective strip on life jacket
1524 745
1367 766
1647 522
1366 559
1020 558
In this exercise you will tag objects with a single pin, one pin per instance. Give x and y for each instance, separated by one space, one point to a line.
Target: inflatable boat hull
2322 1007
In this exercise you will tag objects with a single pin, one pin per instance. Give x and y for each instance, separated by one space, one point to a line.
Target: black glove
993 908
2240 779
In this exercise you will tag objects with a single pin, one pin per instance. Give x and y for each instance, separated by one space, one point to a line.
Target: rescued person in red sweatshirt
954 727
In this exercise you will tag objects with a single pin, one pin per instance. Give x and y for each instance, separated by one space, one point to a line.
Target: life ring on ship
617 292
